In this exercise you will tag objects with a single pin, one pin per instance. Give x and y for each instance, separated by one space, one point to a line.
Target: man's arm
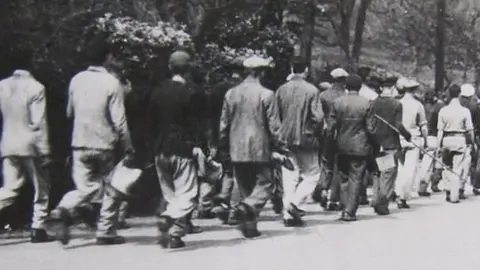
271 113
399 123
422 123
224 132
117 113
317 113
70 101
441 128
37 109
470 129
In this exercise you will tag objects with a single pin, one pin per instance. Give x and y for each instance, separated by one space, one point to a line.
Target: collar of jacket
22 72
251 79
179 79
97 69
297 77
455 102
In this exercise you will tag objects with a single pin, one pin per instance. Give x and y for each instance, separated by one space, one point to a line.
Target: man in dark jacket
249 135
174 119
328 156
387 108
353 121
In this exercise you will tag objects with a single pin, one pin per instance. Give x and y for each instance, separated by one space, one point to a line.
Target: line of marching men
261 142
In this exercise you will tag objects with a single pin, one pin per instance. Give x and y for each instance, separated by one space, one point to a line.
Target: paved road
433 235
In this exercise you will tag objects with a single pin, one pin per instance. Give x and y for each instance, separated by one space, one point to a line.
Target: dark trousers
351 172
255 183
384 184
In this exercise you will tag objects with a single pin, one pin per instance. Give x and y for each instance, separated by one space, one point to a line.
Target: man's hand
129 159
212 152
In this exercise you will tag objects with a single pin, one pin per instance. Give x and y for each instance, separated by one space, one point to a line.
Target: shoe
363 201
62 222
424 194
435 189
110 241
176 243
123 225
232 219
476 191
245 212
277 205
323 202
332 206
206 214
192 229
164 223
447 196
295 212
250 233
347 217
402 204
40 236
293 222
381 211
394 197
461 194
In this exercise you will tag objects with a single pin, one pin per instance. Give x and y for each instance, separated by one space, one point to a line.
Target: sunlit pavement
432 235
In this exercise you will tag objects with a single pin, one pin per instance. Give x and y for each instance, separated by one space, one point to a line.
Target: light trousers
16 171
179 184
91 170
407 171
300 183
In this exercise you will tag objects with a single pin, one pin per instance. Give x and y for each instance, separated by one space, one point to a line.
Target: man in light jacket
302 117
24 144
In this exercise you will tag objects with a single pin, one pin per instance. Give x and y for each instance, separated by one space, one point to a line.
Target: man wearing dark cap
96 105
327 162
174 119
353 122
389 110
302 120
249 136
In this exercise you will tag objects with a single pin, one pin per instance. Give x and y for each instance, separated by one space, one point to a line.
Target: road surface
433 235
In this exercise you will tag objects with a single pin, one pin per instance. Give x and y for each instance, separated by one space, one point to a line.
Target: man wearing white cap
328 98
455 129
249 134
414 120
467 95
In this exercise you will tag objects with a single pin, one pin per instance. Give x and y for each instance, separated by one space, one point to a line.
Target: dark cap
354 83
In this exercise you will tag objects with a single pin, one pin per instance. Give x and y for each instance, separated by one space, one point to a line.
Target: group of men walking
296 139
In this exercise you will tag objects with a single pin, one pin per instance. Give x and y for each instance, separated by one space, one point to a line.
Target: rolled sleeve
422 117
441 121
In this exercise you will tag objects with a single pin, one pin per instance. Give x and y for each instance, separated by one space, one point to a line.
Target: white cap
467 90
404 83
339 73
257 62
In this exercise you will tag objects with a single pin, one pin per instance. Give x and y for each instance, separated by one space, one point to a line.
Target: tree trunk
345 23
440 47
359 29
308 33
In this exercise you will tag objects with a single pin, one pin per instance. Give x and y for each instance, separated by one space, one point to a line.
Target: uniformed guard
415 122
249 134
455 129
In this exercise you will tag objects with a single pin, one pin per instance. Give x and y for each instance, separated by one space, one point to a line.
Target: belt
453 133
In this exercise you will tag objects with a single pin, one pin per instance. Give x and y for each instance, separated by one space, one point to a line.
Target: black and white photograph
239 134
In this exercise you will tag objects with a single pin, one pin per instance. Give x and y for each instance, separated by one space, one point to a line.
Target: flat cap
339 73
257 62
404 83
467 90
179 59
324 86
354 82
